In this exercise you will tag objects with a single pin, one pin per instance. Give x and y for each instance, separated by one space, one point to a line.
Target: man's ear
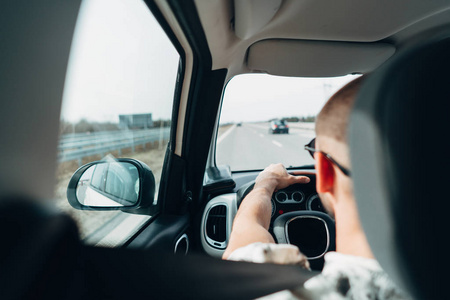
325 175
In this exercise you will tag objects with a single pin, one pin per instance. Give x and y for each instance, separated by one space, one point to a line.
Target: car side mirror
125 184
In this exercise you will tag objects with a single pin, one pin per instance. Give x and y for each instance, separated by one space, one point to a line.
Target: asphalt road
251 146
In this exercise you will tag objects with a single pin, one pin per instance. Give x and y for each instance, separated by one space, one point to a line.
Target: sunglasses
310 147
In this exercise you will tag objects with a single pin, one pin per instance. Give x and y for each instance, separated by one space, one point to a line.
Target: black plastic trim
218 179
162 233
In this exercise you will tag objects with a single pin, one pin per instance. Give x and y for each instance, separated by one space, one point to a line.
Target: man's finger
301 179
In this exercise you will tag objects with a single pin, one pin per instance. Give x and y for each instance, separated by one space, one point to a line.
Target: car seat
398 143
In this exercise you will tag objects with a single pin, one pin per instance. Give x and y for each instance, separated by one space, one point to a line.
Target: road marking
261 135
277 144
225 134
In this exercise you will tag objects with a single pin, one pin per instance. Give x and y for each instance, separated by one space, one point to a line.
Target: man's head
332 122
334 187
331 131
333 119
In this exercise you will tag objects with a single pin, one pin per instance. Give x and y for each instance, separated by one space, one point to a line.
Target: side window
117 103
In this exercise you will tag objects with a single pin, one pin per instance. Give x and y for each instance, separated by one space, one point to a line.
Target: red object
280 212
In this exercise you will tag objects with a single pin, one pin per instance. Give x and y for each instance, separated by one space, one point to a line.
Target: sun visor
301 58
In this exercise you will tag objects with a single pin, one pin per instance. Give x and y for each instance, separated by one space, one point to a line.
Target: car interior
183 215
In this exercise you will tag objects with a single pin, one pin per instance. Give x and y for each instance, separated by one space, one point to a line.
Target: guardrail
80 145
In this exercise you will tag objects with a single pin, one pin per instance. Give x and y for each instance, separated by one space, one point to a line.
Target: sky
261 97
122 62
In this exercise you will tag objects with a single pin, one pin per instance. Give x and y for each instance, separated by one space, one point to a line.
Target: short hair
333 119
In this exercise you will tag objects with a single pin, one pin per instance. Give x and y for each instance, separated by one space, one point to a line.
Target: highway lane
251 146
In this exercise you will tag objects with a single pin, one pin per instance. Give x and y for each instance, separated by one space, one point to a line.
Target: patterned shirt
343 276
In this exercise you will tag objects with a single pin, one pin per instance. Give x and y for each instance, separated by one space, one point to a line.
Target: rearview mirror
111 185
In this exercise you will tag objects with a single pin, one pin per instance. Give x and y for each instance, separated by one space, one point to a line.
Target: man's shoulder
352 277
343 276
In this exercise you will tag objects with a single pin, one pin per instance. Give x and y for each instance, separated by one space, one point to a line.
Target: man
349 273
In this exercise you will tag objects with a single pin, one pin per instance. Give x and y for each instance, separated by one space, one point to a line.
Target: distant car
279 126
239 124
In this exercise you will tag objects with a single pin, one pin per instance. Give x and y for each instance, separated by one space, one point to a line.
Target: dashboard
296 197
295 209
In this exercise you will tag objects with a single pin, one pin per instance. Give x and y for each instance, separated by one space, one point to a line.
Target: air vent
216 226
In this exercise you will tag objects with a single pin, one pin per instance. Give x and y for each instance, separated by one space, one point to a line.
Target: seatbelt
125 273
43 258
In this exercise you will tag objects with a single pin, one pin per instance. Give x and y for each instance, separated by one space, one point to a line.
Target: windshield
268 119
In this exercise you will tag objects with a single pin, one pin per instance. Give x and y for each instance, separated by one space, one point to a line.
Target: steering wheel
313 232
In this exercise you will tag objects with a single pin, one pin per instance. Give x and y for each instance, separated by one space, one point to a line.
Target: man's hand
276 177
252 220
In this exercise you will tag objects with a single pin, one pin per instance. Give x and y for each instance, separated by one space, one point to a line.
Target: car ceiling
361 34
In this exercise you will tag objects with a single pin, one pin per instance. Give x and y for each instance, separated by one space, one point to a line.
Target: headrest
398 137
